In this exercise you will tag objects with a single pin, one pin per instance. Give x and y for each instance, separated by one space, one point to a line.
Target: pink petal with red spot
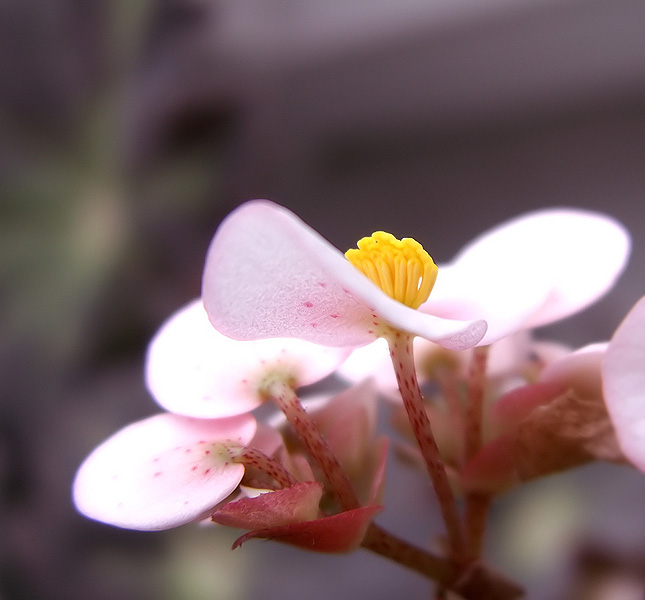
623 373
161 472
336 534
194 370
268 274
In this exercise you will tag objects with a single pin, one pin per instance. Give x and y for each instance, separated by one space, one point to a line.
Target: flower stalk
251 457
475 404
474 581
337 480
401 351
476 505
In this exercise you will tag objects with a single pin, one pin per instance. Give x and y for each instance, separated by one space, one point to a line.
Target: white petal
535 269
268 274
623 373
161 472
469 290
192 369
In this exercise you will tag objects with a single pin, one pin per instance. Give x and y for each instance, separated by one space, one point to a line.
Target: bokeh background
129 128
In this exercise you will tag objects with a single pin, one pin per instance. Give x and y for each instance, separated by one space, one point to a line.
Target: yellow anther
401 268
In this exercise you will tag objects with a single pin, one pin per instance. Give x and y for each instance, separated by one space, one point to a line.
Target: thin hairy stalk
337 480
258 460
477 506
403 361
384 543
475 404
473 582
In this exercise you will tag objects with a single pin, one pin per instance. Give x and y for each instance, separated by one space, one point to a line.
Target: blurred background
129 128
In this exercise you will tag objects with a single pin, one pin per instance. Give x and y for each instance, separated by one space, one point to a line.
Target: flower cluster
477 401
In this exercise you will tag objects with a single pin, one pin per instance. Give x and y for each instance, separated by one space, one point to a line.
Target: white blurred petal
161 472
191 369
623 373
532 270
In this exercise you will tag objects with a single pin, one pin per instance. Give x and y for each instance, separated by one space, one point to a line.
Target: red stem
335 476
403 359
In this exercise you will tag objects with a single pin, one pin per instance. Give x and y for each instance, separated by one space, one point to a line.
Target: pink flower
162 472
193 370
267 274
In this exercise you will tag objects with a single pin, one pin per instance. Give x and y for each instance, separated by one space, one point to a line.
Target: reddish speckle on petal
157 474
207 451
207 471
314 325
307 304
194 468
334 316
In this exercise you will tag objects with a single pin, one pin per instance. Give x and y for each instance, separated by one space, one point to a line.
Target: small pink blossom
267 274
193 370
162 472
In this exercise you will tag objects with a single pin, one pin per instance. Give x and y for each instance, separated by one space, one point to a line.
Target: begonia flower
268 274
162 472
193 370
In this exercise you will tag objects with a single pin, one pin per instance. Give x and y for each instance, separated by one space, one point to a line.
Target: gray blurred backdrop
128 129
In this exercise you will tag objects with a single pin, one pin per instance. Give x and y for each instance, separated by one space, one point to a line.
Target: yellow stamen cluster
401 268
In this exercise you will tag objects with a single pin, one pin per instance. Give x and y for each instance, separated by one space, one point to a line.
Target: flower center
401 268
